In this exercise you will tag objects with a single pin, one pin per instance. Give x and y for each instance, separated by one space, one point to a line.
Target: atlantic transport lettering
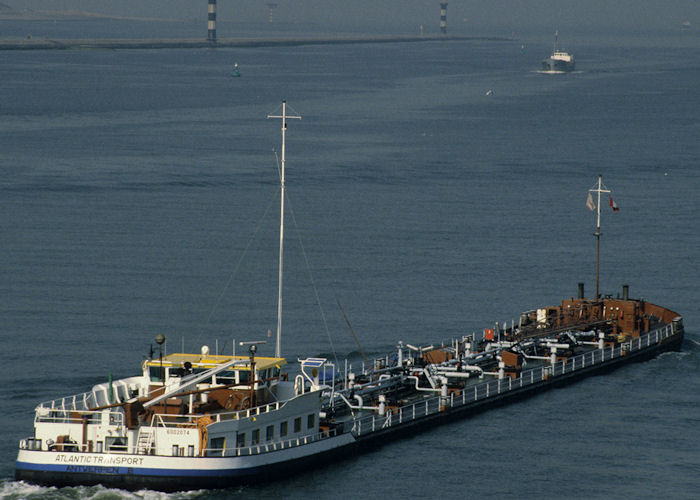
97 460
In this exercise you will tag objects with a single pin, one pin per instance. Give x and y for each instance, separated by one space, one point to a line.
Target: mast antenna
284 116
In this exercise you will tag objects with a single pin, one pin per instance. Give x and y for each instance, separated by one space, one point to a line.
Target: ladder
145 441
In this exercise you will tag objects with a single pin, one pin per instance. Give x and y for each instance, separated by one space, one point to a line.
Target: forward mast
284 116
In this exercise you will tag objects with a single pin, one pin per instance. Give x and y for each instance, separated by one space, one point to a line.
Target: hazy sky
510 14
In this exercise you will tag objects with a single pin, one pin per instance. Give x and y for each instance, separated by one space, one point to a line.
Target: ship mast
284 116
598 190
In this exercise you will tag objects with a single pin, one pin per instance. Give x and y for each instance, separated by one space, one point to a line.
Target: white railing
77 402
250 412
177 420
61 416
494 388
258 449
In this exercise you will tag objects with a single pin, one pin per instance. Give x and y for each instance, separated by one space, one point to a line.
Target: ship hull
136 472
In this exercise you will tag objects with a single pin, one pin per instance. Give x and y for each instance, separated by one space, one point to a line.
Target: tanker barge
201 420
191 421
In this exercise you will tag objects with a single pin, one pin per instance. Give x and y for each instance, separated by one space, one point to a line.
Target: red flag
613 205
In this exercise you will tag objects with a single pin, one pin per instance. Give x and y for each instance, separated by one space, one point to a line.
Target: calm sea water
139 195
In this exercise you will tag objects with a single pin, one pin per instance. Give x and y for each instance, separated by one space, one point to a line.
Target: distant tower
211 35
443 18
271 7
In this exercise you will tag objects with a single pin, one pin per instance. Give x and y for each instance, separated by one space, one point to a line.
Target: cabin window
270 434
240 440
190 450
310 421
275 372
243 376
283 429
176 450
216 445
297 424
255 437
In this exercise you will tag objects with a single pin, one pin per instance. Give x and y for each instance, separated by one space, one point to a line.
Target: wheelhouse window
255 437
310 421
270 433
198 371
283 429
240 440
155 373
297 424
226 377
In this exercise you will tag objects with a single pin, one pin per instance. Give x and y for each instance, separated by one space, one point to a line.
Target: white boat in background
560 61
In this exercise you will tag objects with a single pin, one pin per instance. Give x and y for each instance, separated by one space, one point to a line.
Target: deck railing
258 449
84 402
77 402
61 416
171 420
493 389
100 395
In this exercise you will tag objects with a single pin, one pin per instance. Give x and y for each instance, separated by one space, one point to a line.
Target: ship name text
68 458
